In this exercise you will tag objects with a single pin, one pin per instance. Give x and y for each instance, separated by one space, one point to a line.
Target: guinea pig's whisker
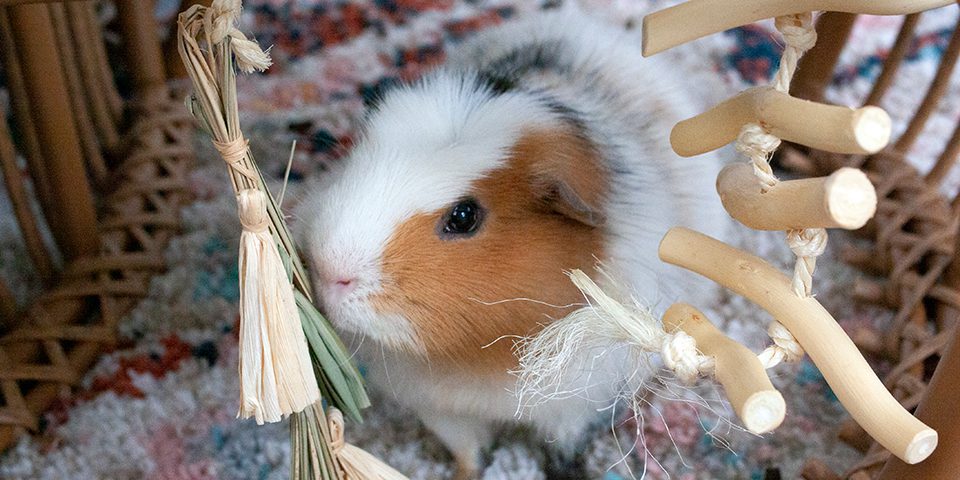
386 372
517 337
525 299
286 176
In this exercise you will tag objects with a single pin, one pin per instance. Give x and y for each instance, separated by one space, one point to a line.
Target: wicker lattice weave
59 336
914 238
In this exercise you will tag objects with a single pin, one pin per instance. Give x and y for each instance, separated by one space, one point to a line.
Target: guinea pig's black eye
463 219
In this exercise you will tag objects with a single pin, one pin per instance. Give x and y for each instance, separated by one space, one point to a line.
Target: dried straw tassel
354 462
276 376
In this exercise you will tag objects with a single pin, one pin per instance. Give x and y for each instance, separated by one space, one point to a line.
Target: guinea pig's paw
515 461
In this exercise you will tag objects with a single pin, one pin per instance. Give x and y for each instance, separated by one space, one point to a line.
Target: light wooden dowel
691 20
844 199
756 402
823 127
847 373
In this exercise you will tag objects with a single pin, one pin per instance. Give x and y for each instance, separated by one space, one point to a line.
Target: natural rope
807 245
220 22
757 144
680 354
784 349
798 37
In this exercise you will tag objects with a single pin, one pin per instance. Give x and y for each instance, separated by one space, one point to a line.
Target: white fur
418 154
429 142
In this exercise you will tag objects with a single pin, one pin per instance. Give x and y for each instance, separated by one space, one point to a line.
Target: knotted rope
220 22
784 349
757 144
680 354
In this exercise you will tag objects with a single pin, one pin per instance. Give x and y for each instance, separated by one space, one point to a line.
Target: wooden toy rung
757 403
845 199
842 365
816 125
691 20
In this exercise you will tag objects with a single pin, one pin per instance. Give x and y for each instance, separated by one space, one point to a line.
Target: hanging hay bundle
290 357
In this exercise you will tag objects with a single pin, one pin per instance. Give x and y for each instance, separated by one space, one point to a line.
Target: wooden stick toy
846 371
691 20
836 129
844 199
756 402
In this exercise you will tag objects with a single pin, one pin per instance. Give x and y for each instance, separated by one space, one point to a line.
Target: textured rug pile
162 405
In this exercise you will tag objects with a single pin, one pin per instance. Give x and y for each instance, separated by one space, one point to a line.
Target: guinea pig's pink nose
344 285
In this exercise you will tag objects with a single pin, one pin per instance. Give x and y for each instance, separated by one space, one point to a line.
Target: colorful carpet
162 405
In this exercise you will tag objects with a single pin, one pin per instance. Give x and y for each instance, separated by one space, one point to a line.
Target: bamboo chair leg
95 89
8 306
87 15
937 89
71 71
76 228
815 70
27 132
939 410
142 49
894 59
21 208
946 161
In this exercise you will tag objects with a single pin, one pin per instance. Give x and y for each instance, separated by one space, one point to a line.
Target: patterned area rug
162 405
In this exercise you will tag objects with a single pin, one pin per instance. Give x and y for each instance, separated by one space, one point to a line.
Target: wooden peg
849 375
667 28
845 199
816 125
757 403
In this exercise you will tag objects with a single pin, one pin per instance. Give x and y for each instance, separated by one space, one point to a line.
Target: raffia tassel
354 462
276 376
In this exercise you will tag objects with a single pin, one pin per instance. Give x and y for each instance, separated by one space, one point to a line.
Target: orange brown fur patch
542 209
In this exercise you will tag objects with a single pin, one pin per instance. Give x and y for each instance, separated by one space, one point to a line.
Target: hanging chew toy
757 119
845 200
289 355
689 345
276 376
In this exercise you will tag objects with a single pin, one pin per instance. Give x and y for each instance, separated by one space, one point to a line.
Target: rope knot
785 347
797 31
220 23
335 422
232 151
807 242
753 141
679 352
757 144
220 19
252 209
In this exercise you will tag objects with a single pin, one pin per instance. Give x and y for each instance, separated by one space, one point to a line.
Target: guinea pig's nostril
345 284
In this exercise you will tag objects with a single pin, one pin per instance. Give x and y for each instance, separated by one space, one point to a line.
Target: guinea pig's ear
567 173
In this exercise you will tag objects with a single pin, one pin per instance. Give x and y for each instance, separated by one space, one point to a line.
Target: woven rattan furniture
109 176
914 239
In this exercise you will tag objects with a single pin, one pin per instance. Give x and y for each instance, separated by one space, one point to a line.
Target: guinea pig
539 147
